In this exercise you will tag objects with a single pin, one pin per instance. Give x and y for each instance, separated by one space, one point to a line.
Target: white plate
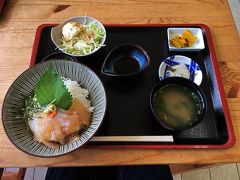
194 69
197 46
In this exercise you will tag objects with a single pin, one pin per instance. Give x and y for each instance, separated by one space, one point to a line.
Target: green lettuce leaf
51 88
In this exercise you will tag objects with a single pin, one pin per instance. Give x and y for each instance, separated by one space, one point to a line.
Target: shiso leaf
51 88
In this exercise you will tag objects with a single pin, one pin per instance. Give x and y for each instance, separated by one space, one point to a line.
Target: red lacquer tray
129 122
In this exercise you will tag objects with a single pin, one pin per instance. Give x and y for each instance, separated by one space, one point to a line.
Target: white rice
78 93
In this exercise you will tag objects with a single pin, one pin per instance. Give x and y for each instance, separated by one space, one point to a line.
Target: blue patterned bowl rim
194 69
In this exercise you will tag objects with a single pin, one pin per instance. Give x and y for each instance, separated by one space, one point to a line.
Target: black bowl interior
59 55
182 82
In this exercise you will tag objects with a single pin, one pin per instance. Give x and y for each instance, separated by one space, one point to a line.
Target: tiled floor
223 172
202 174
31 173
235 9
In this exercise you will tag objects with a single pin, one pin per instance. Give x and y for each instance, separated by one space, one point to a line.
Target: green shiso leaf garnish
51 89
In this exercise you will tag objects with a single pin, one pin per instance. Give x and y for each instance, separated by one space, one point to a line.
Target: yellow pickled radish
186 34
178 42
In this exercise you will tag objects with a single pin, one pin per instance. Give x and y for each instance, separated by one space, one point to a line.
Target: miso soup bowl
185 83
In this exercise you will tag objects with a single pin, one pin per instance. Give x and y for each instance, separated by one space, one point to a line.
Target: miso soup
178 106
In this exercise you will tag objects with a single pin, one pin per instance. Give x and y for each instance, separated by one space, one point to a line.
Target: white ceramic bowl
197 46
56 32
194 69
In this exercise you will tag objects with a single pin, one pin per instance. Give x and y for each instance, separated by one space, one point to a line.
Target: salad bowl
86 48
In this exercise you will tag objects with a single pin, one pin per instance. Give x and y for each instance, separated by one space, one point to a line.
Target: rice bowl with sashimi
53 108
56 116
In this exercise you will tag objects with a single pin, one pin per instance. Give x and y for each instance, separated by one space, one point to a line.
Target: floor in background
31 173
235 9
223 172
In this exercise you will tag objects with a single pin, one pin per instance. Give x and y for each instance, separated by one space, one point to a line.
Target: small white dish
56 32
195 73
197 46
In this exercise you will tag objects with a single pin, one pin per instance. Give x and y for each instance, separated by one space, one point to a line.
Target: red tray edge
2 2
231 136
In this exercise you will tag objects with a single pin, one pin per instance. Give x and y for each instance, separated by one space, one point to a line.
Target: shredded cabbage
87 40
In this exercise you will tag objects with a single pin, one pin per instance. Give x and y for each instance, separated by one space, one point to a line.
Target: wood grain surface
18 24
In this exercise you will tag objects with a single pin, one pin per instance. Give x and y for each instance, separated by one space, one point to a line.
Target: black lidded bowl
185 83
59 55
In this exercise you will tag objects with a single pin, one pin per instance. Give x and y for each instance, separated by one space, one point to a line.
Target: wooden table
17 30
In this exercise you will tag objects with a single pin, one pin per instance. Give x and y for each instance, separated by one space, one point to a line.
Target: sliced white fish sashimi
52 130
